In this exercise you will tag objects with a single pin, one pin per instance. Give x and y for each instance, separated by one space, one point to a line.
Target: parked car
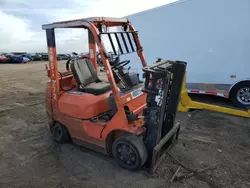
62 57
44 57
36 57
3 54
27 56
25 59
4 59
10 58
59 58
16 59
74 55
83 55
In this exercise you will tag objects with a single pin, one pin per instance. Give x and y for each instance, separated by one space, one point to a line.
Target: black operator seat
86 77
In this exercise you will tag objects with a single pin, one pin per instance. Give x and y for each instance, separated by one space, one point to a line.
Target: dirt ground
30 158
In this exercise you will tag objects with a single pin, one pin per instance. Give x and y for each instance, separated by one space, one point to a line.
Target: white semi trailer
212 36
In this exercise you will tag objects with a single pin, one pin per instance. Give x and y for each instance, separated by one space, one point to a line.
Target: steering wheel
120 64
112 58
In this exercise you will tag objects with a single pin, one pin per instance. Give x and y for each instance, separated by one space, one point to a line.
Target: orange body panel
140 104
83 106
78 128
90 132
135 105
71 107
93 129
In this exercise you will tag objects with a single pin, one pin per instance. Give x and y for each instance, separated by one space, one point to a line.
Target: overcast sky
21 20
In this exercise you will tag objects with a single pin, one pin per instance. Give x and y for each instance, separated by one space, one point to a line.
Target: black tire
130 152
60 133
234 94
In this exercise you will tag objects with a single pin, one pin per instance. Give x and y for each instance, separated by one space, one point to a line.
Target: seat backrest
84 72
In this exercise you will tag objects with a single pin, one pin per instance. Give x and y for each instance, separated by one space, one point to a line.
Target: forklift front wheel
60 133
130 152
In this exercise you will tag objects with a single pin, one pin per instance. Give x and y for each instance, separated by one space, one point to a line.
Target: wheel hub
126 154
243 95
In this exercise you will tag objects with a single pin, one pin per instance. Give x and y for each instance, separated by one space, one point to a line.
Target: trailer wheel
60 133
130 152
240 94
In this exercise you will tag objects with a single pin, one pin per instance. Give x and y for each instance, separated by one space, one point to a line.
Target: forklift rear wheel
60 133
130 152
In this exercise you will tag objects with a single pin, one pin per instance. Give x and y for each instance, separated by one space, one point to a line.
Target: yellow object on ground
186 103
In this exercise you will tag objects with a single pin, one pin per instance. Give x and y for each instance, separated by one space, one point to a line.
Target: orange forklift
126 116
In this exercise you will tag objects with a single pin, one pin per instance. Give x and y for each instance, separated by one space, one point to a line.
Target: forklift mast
163 83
